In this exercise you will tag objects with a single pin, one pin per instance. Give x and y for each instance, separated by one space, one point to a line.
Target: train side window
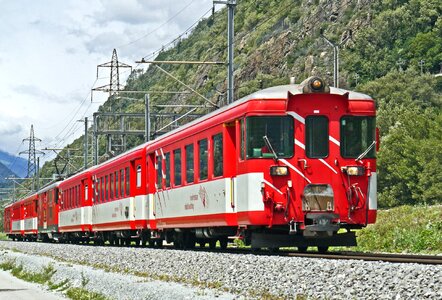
177 166
102 189
121 183
203 159
127 182
98 191
241 136
159 172
316 136
138 176
117 185
111 190
78 195
217 155
106 181
167 168
189 164
86 192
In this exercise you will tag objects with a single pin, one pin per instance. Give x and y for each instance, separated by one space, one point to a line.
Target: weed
83 294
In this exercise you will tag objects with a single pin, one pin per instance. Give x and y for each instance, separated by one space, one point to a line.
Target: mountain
389 49
15 164
5 172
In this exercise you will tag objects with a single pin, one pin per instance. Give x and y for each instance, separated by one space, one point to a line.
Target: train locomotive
287 166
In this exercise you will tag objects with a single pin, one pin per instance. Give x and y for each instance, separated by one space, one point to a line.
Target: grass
44 277
407 229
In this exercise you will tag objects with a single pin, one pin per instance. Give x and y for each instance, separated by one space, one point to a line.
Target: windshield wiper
363 154
269 146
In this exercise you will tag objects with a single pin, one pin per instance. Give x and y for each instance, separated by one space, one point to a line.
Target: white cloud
50 49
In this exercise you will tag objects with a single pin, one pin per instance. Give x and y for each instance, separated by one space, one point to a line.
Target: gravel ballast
243 275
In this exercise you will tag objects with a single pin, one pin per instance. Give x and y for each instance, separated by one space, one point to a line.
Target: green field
407 229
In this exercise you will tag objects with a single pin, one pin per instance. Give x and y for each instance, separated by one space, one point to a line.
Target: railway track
343 255
393 258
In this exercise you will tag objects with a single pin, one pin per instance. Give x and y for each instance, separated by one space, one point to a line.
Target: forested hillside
390 49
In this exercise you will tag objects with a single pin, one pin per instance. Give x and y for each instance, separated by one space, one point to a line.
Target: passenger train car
286 166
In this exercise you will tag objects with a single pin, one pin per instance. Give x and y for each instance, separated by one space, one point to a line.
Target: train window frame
315 135
190 163
217 157
167 182
255 146
354 153
177 164
203 159
138 176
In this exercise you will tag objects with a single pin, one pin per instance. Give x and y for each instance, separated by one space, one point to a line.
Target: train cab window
159 172
357 135
86 192
127 182
316 136
138 176
203 159
217 155
167 168
177 166
279 133
189 164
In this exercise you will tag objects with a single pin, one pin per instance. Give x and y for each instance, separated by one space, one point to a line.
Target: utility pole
147 118
335 58
230 34
421 64
85 142
114 84
32 153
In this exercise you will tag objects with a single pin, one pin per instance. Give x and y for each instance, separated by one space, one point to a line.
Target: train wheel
302 249
322 249
159 243
212 244
223 242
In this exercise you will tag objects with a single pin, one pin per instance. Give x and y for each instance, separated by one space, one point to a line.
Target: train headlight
314 84
279 171
354 170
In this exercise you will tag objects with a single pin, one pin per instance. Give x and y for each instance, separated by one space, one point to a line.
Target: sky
49 52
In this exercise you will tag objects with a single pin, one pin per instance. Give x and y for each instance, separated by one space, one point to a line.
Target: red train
286 166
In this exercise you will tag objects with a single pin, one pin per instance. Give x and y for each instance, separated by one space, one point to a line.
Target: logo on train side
203 195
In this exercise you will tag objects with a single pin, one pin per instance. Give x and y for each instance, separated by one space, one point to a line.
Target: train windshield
279 132
357 134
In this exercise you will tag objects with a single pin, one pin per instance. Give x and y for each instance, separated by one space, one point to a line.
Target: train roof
276 92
